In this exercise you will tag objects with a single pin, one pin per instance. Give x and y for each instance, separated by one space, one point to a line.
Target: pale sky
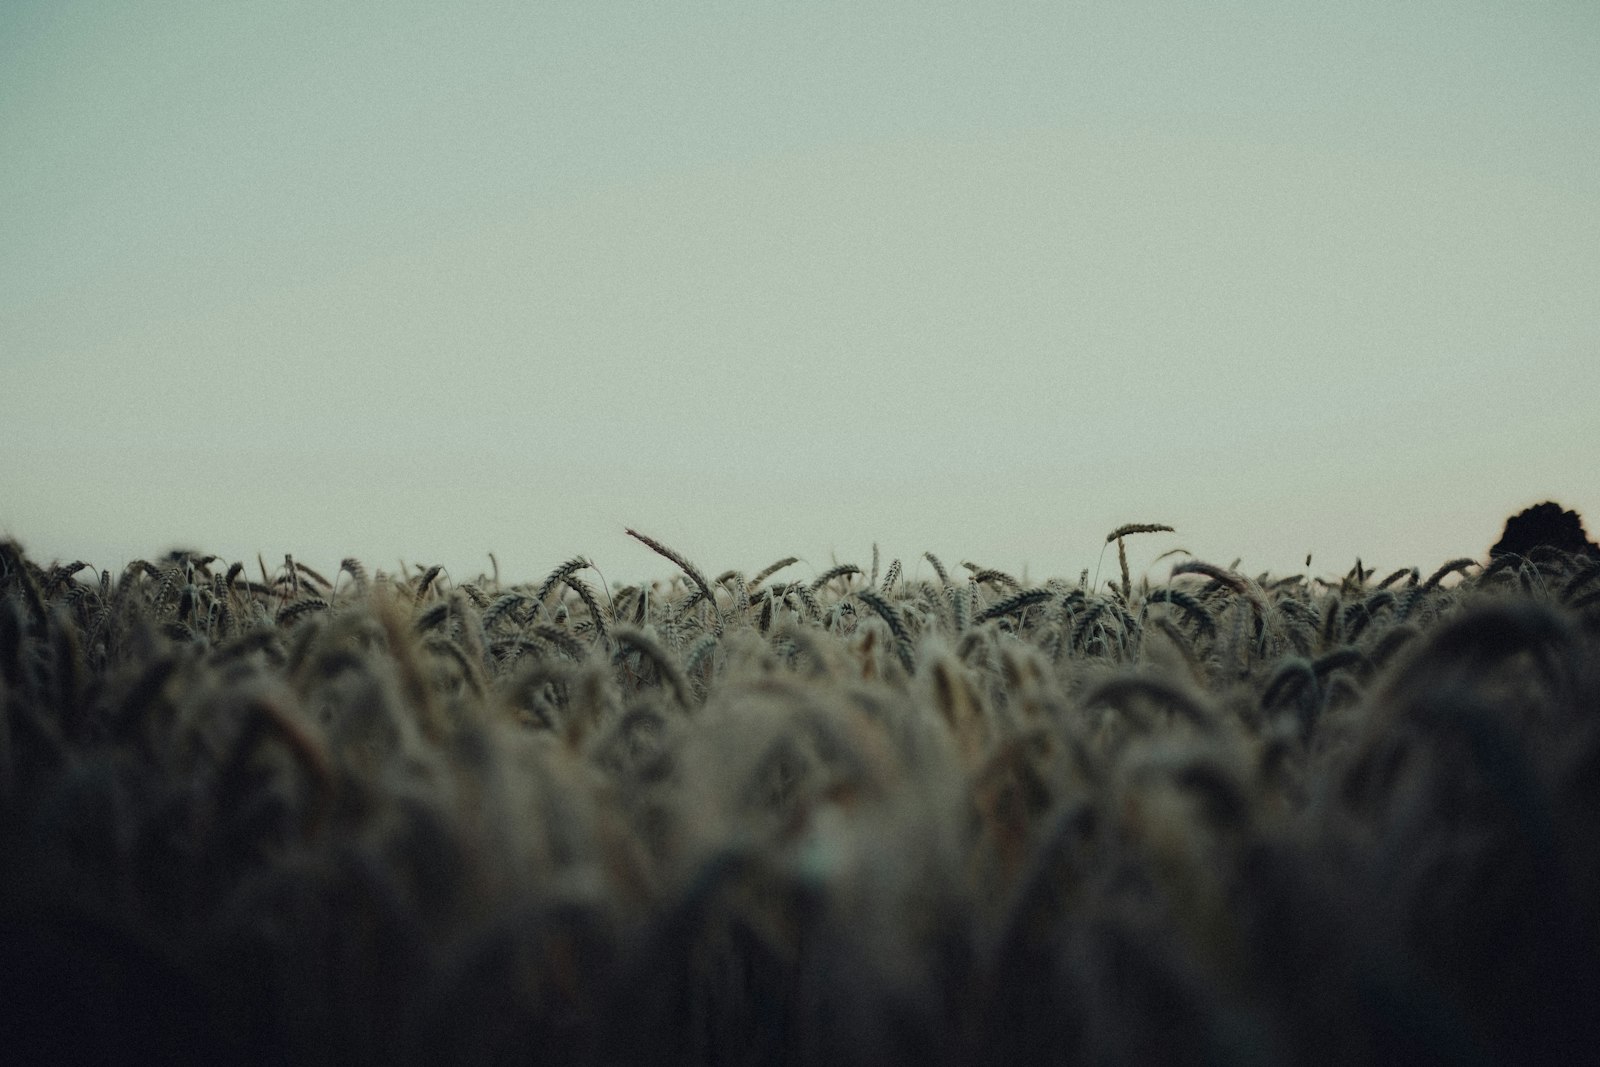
424 281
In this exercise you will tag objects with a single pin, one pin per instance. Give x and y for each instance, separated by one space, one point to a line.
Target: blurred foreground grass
397 819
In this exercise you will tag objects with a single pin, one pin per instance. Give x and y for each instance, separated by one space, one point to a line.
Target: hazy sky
425 281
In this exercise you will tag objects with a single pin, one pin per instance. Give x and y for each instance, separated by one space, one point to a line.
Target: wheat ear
770 569
555 577
1445 571
897 626
1136 528
687 568
841 571
666 667
426 582
1016 602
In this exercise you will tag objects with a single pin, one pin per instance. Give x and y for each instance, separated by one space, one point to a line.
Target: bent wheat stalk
689 569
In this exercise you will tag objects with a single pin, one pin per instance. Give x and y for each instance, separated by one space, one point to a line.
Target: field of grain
362 818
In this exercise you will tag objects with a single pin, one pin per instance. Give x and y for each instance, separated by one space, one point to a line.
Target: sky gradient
402 280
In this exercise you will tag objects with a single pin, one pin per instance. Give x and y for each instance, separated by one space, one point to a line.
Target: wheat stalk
1581 578
1448 569
770 569
1016 602
981 575
562 639
840 571
688 569
1399 574
585 594
1137 528
897 625
290 612
890 578
666 667
807 598
426 582
555 577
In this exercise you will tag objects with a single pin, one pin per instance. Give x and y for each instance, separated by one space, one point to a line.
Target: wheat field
274 816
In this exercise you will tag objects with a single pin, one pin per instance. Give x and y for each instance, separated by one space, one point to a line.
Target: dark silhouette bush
1545 525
